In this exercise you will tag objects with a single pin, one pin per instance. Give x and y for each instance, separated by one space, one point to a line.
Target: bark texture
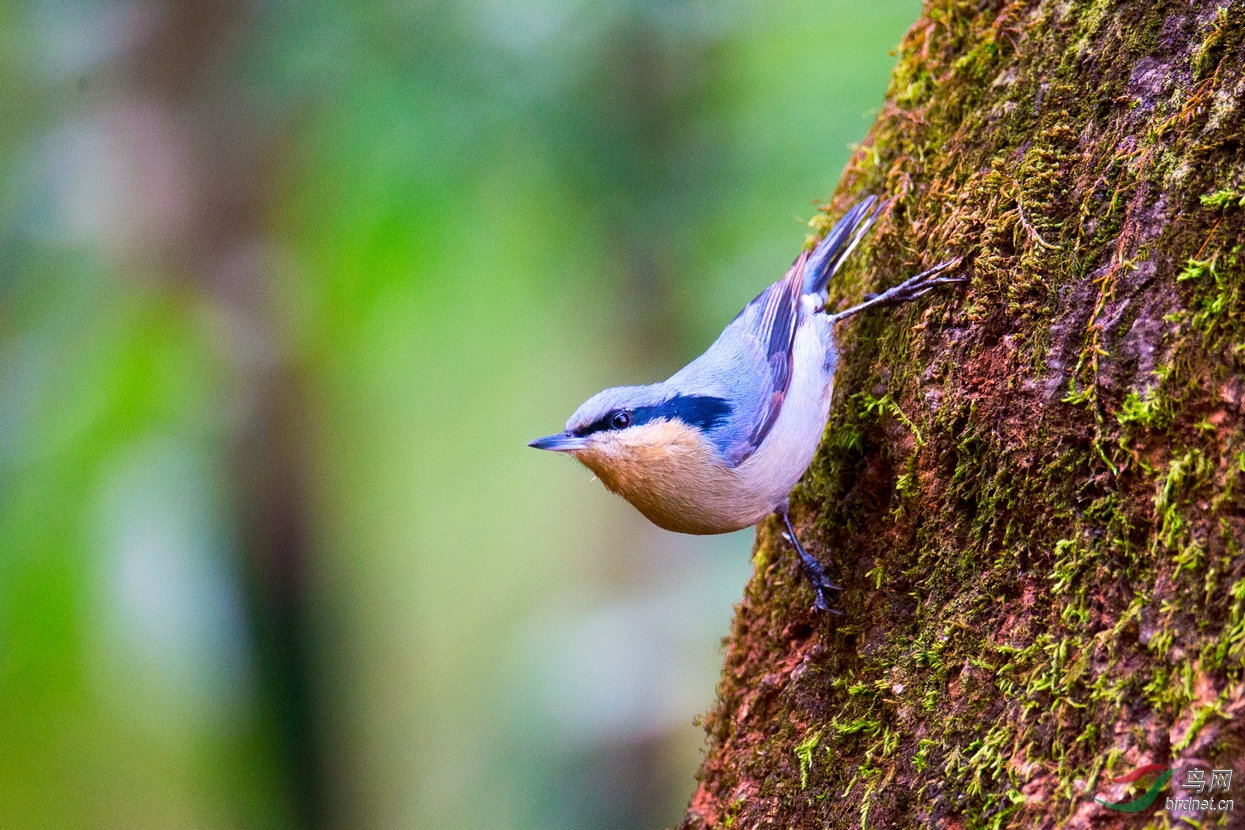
1031 488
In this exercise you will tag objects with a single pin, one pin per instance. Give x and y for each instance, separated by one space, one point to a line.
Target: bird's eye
620 419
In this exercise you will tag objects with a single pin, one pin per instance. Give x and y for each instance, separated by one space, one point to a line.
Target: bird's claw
821 584
820 587
814 571
926 281
907 290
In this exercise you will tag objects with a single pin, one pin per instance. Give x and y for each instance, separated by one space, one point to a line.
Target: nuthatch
720 445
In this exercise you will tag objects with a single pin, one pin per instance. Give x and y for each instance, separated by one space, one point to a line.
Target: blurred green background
285 289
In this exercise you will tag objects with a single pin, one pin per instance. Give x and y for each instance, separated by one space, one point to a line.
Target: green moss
804 752
1210 52
1145 408
1201 717
1229 197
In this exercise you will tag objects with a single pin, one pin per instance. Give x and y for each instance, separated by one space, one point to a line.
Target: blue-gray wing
750 365
775 330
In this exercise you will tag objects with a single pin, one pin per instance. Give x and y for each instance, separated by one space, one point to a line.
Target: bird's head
630 431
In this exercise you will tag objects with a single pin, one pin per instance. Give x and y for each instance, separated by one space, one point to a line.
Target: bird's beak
561 442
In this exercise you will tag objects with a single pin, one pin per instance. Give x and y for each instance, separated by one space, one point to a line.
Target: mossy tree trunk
1031 488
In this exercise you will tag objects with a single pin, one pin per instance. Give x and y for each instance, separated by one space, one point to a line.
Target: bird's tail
843 238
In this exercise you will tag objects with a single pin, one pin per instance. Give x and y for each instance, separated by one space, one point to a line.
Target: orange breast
673 476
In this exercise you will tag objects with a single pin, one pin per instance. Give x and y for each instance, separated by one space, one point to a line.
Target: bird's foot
922 283
907 290
813 570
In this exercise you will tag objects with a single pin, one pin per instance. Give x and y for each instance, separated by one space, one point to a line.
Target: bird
721 443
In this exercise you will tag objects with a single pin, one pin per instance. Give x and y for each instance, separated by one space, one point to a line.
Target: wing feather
775 332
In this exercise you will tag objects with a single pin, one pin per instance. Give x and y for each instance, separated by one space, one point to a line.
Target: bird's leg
909 289
813 569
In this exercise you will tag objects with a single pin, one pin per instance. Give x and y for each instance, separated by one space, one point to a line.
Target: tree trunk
1030 488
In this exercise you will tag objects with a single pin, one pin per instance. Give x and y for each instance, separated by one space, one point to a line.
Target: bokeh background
285 288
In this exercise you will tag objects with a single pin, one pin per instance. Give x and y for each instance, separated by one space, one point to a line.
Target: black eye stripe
703 411
607 422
